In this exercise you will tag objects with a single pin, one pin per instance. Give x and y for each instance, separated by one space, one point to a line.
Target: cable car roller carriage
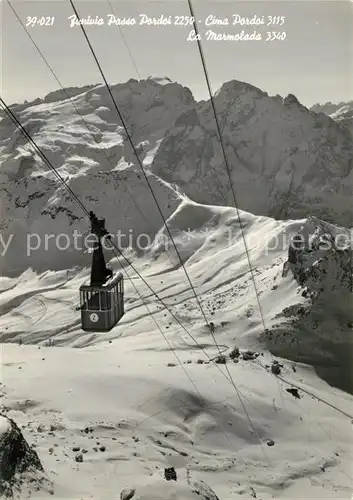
102 300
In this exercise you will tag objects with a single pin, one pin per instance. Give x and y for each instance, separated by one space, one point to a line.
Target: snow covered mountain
82 138
108 418
342 113
329 108
344 117
285 160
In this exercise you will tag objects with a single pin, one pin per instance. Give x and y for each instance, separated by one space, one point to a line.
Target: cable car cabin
102 306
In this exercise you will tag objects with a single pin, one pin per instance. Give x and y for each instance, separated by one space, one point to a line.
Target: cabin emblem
94 317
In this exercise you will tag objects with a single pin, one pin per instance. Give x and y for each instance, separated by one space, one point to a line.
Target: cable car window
105 300
93 301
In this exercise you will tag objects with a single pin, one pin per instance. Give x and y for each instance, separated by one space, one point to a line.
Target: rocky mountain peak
291 100
235 88
285 160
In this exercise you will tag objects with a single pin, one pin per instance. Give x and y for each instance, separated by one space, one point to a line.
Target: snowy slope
148 416
37 307
208 240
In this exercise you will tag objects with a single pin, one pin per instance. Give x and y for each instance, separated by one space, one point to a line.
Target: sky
314 61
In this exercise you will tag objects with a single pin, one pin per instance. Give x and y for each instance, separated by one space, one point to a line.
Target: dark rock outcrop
291 99
317 330
18 461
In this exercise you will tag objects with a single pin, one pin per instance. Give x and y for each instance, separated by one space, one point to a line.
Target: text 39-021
32 21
